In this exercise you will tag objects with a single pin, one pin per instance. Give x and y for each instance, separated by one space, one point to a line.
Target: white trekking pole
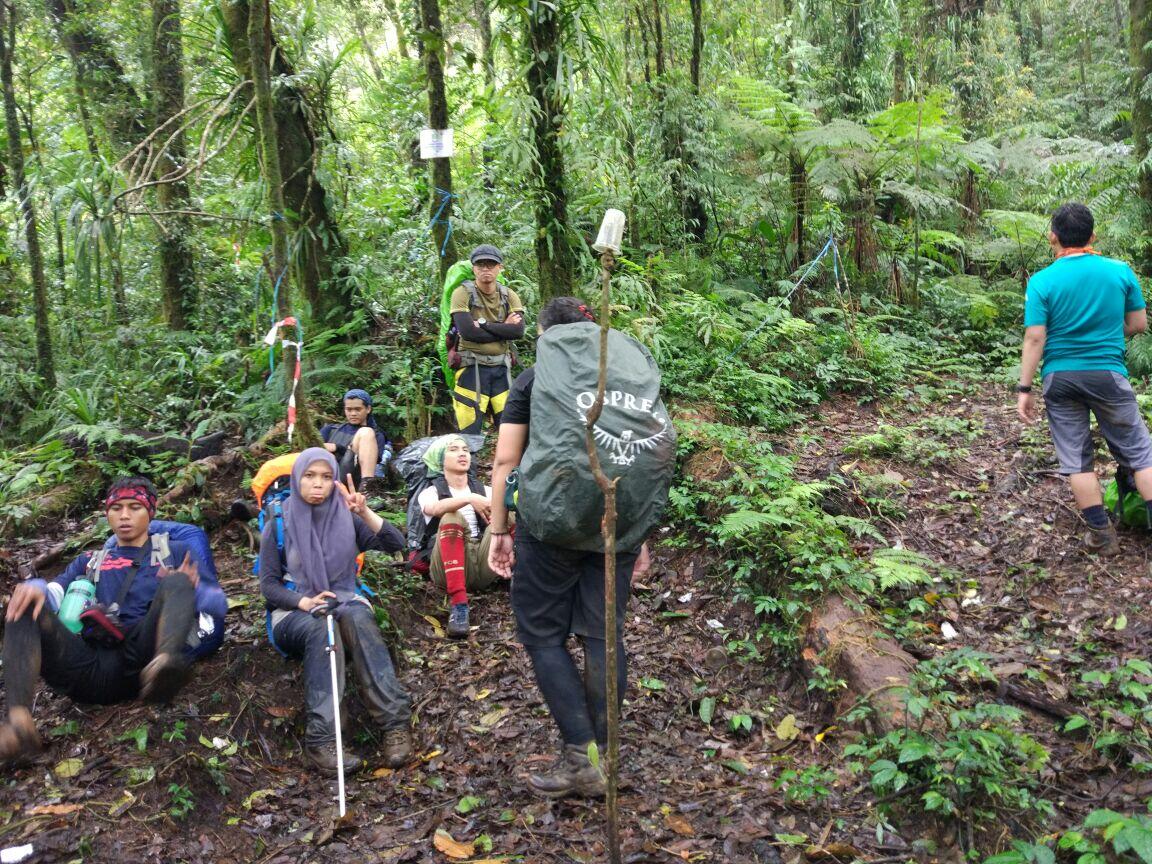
327 610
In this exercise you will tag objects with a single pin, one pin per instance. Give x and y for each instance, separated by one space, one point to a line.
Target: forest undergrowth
1027 714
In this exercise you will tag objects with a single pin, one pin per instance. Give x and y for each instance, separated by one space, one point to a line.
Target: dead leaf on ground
787 729
55 809
679 824
69 767
452 848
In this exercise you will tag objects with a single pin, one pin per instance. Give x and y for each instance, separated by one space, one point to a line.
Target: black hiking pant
557 592
301 635
89 673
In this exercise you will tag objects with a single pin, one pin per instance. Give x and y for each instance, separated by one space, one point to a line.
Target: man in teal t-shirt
1077 312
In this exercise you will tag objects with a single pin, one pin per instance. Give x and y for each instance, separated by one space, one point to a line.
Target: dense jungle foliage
180 174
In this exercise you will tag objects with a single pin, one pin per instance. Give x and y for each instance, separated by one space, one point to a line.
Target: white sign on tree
436 144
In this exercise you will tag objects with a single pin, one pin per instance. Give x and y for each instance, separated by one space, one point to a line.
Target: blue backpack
211 603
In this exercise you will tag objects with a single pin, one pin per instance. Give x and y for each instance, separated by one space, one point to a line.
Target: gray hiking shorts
1068 398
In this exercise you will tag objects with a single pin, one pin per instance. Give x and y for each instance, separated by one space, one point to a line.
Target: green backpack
1133 512
558 499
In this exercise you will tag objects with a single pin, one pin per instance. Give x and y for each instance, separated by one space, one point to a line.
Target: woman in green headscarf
457 506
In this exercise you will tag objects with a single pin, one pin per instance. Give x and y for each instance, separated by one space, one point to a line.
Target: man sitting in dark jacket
357 443
145 595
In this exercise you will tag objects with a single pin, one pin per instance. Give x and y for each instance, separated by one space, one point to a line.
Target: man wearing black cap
488 316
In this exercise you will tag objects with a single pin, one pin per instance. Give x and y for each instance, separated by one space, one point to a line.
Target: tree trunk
554 257
658 38
852 54
177 264
798 185
440 204
99 71
697 43
695 214
1140 17
365 42
899 74
642 26
488 61
258 55
320 247
397 20
1022 36
45 365
57 230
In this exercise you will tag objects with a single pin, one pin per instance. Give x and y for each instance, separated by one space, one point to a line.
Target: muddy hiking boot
324 758
1101 541
19 742
397 747
573 774
163 677
458 626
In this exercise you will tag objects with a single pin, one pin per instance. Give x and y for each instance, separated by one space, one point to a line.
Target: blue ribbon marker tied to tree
445 199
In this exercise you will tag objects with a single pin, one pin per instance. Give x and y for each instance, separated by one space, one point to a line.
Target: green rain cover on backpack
1134 513
458 274
559 501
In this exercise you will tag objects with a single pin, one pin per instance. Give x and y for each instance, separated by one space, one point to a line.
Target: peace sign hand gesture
356 501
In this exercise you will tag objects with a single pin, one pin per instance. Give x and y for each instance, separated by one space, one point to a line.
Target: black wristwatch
1023 388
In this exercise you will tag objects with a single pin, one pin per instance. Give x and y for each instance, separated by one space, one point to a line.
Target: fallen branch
875 668
193 476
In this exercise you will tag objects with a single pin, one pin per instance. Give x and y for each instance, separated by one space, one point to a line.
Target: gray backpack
559 501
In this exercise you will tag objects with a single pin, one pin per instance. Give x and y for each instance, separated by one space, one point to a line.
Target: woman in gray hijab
325 527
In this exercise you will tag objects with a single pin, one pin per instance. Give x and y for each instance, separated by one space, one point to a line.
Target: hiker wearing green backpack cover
556 562
482 319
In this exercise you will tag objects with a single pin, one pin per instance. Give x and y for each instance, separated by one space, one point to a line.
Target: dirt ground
219 777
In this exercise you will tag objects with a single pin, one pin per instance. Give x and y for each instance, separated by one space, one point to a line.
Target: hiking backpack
558 499
1123 500
211 604
459 274
410 466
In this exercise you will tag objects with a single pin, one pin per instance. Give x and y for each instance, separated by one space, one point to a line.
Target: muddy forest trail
218 776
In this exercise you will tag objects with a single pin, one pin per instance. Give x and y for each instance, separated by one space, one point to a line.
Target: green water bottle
76 599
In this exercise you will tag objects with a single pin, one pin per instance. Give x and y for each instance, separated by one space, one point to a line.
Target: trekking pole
327 609
608 245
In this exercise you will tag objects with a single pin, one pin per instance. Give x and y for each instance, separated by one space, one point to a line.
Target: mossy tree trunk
45 365
554 258
319 246
440 204
177 262
259 49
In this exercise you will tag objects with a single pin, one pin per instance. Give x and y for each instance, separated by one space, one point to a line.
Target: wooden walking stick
608 244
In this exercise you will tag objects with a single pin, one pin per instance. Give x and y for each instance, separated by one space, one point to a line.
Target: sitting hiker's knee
454 519
176 584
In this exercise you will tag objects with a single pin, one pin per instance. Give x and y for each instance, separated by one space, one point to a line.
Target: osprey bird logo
622 448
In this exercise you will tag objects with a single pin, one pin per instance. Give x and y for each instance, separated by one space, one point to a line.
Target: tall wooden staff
608 245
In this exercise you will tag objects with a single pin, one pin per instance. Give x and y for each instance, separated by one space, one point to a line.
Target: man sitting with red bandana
149 597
